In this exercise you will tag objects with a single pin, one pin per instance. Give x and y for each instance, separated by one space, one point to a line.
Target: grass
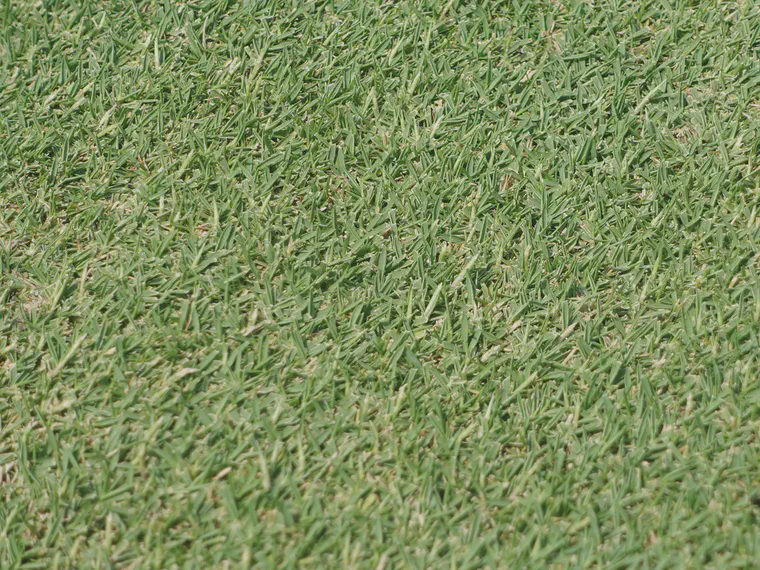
352 284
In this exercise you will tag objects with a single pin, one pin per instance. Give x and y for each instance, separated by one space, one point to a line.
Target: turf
379 285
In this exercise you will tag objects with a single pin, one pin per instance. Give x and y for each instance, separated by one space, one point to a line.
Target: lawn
414 284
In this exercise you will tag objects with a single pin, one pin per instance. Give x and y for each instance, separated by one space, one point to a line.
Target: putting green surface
333 284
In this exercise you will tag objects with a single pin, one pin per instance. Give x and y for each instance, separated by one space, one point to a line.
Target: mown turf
379 285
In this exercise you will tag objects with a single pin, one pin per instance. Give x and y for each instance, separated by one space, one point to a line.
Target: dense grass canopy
379 285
